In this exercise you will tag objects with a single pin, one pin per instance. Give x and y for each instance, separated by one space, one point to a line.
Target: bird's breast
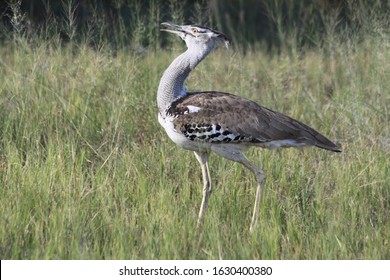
179 137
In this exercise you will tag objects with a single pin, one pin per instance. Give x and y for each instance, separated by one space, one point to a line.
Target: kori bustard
219 122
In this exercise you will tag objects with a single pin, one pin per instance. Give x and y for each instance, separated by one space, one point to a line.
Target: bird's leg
260 178
203 157
237 155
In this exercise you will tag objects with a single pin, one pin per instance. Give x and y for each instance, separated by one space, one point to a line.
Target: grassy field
86 172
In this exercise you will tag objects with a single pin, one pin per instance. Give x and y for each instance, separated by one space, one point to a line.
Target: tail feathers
315 138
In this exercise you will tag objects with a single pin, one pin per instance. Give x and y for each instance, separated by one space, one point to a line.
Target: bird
219 122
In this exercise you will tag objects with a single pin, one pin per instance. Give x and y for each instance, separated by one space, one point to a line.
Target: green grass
86 172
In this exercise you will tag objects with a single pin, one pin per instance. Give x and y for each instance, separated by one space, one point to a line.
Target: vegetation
86 172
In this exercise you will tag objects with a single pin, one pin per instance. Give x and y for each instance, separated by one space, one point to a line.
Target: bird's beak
172 28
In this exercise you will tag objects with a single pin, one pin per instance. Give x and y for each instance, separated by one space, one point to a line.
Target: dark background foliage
131 22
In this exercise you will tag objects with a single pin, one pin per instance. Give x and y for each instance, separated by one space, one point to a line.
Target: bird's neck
172 82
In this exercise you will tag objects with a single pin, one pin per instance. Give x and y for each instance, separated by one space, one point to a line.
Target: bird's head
196 36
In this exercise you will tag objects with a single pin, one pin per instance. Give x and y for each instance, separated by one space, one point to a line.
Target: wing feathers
242 117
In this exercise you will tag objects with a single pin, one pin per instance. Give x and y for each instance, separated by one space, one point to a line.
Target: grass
86 172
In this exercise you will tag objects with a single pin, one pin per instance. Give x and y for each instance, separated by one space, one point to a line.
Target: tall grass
86 172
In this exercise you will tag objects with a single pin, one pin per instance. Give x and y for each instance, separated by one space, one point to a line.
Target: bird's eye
194 30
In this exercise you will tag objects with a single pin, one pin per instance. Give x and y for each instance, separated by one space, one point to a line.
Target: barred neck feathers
171 85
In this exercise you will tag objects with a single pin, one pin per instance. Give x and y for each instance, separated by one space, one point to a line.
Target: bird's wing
222 117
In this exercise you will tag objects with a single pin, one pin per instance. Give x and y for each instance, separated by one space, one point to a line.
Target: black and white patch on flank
213 133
